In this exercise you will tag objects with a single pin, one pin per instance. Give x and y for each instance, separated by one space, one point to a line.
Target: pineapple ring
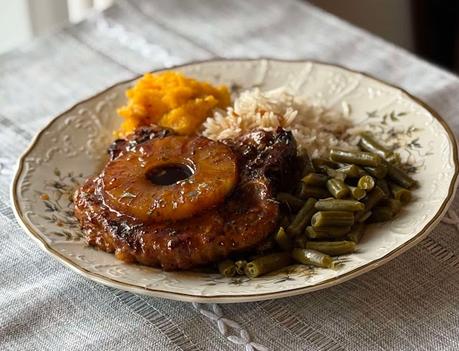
129 189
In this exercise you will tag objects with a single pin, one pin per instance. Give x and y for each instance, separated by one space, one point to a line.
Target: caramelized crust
239 223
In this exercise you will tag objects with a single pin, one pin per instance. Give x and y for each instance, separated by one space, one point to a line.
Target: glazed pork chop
219 200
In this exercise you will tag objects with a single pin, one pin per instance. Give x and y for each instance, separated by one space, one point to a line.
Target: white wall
15 27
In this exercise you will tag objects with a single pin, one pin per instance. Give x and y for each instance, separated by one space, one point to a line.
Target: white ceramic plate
73 146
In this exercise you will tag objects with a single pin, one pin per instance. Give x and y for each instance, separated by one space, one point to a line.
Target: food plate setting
236 180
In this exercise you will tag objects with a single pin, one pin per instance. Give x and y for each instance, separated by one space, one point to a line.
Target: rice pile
315 128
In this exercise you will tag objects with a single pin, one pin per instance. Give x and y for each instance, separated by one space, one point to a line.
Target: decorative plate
73 146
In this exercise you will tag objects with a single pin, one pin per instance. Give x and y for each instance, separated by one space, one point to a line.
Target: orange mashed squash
171 100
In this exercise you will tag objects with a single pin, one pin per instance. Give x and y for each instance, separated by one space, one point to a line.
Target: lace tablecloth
411 303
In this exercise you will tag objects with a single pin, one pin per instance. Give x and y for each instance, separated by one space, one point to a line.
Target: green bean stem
267 264
360 158
312 257
332 218
332 248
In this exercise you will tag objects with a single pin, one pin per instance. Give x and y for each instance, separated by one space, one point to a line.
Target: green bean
240 266
368 143
355 157
326 232
393 204
332 218
227 268
266 264
400 177
332 248
382 183
339 205
351 171
366 183
381 214
356 233
331 172
400 193
283 240
372 199
357 193
291 202
302 218
319 162
312 257
337 188
284 221
315 179
379 172
300 241
307 191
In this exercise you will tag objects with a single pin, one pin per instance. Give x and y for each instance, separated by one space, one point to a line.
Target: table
412 303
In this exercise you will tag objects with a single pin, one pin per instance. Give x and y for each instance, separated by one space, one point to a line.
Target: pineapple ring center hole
169 174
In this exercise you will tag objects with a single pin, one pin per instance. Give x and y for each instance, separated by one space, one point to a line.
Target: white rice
315 128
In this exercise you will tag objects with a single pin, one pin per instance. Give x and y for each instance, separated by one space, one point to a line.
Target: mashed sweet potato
171 100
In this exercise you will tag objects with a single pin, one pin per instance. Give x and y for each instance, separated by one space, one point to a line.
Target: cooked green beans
307 191
312 257
339 205
356 233
266 264
291 202
300 241
400 193
399 177
319 162
360 158
315 179
373 198
302 218
332 218
337 188
382 183
366 183
227 268
368 143
326 232
240 266
357 193
351 171
362 216
283 240
332 248
379 172
381 214
393 204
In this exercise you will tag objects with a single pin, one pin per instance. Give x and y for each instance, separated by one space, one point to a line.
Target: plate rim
247 297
